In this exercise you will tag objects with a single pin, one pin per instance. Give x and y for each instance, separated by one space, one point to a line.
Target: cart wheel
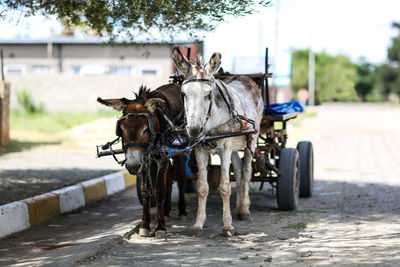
139 191
306 154
288 183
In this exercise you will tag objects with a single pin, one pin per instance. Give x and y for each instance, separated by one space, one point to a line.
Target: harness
154 136
151 123
226 96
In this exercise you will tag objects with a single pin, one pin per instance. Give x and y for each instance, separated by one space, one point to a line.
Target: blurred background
320 52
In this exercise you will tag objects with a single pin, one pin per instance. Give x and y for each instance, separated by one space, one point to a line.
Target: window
88 69
14 69
41 69
150 70
75 69
121 70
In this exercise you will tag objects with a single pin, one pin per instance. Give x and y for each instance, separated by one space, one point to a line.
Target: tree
363 85
386 77
335 76
130 18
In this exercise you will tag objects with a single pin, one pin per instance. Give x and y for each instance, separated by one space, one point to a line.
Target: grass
299 225
53 122
302 225
29 130
305 211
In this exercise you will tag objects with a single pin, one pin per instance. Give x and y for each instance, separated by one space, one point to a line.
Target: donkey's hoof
196 231
244 216
183 218
161 233
236 213
144 232
228 231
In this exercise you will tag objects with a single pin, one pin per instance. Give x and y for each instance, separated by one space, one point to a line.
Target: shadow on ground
343 223
18 146
23 183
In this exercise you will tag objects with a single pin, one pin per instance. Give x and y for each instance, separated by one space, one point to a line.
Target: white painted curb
14 217
92 182
114 183
71 198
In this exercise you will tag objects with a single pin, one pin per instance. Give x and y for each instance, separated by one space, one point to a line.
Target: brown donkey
141 126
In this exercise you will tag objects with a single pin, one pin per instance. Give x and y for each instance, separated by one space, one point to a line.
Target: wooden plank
251 75
284 117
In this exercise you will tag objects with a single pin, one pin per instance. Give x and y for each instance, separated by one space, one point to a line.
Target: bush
25 100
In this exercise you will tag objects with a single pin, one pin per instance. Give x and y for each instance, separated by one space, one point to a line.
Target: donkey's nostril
195 131
133 168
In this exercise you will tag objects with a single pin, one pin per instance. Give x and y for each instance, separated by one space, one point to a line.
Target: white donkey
212 110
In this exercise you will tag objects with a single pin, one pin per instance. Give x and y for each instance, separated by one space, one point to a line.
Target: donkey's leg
145 225
225 189
160 193
168 188
202 191
237 170
246 174
179 166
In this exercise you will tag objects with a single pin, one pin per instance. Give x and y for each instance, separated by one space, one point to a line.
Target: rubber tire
139 191
306 154
288 184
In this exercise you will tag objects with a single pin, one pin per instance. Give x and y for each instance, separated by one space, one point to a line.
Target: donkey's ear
181 61
153 103
117 104
214 63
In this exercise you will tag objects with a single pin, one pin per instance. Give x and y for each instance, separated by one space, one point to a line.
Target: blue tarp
285 108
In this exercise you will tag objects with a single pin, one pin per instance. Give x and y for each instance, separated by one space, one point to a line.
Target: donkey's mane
199 61
144 93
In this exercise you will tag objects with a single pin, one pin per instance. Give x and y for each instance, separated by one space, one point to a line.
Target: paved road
46 168
353 218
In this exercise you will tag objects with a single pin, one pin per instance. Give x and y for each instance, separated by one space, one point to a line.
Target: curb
20 215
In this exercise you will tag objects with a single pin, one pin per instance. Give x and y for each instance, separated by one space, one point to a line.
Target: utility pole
311 78
2 64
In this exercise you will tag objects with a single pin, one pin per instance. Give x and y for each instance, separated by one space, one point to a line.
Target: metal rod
188 53
311 77
2 64
109 153
208 138
266 89
226 135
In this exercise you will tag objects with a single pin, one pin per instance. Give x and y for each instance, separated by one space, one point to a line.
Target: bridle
150 121
224 92
211 81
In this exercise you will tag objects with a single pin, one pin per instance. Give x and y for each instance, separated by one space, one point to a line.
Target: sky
356 28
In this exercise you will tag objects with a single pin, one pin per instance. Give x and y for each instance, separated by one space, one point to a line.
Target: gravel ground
352 219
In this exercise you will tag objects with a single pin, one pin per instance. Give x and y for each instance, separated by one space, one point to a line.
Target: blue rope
187 150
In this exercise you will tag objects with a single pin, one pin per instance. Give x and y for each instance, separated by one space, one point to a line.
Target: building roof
87 40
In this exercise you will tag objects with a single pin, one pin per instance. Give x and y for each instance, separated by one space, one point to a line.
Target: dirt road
352 219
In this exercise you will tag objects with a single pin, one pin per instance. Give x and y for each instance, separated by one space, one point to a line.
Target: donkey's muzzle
195 132
133 168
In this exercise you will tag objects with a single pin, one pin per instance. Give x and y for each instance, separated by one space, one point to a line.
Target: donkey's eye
147 130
